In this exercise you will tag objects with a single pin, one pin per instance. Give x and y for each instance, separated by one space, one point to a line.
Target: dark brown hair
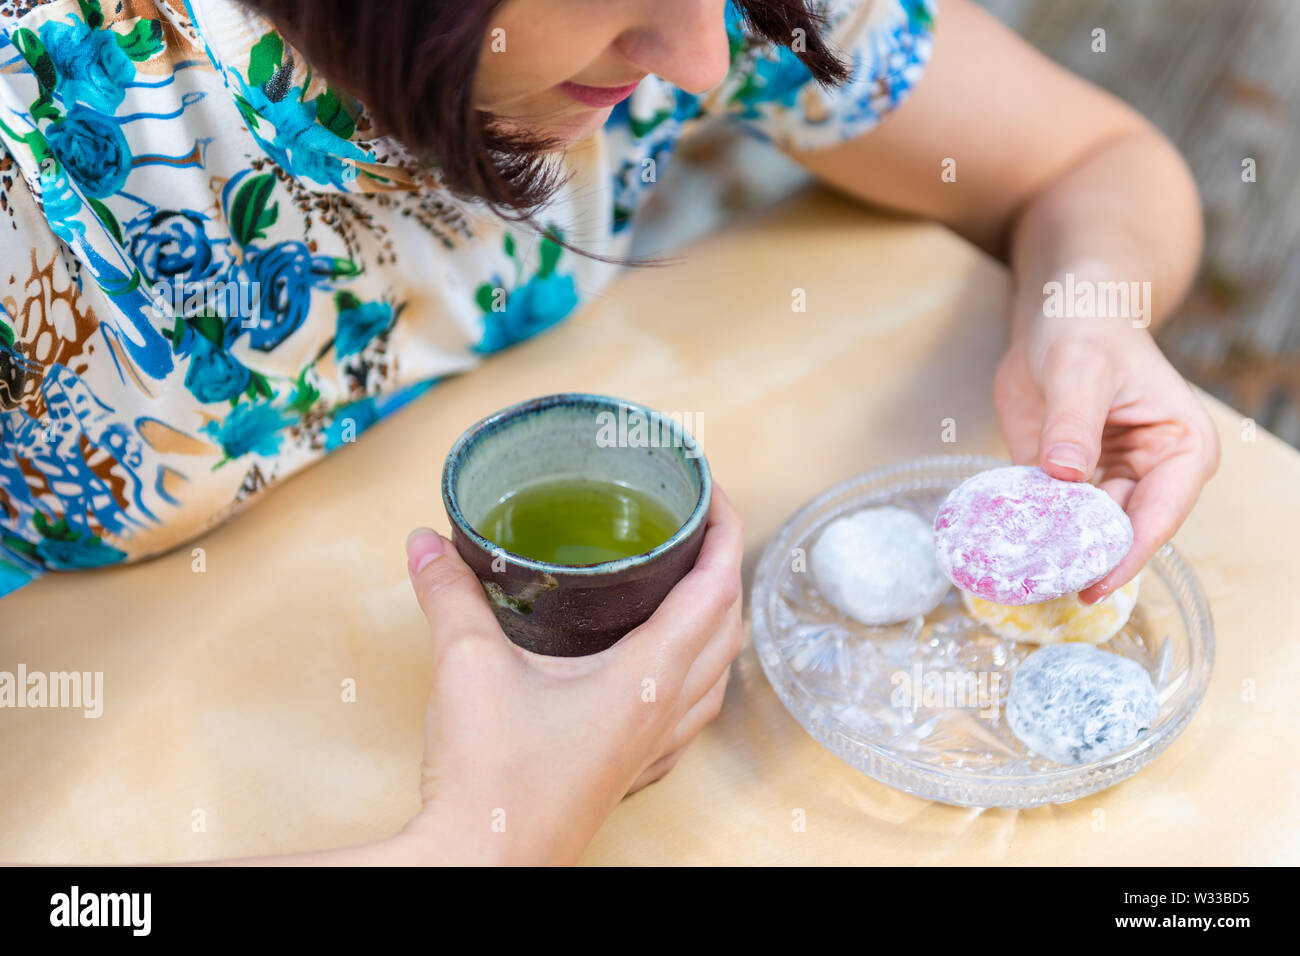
413 62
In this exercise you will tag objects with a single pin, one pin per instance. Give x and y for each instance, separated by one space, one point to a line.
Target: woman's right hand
526 755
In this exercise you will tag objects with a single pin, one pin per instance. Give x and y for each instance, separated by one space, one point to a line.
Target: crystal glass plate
919 705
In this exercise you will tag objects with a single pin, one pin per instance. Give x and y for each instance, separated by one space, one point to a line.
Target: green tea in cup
578 513
578 521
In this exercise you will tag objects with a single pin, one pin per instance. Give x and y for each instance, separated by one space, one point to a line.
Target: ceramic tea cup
571 610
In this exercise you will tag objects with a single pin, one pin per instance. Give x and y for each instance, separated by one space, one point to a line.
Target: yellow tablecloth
225 732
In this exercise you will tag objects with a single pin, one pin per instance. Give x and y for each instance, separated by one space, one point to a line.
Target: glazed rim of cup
576 399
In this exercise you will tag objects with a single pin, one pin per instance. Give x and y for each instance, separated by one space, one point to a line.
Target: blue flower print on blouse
652 119
285 275
173 246
94 150
91 65
214 375
250 428
68 549
352 419
359 322
776 98
310 136
775 80
510 316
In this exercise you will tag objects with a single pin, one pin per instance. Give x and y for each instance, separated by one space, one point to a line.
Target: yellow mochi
1061 621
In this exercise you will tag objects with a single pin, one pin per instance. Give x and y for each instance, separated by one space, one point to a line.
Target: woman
240 234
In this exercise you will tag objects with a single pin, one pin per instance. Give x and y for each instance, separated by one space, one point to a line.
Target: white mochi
1074 703
878 566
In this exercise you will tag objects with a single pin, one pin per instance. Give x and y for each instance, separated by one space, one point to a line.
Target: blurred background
1221 78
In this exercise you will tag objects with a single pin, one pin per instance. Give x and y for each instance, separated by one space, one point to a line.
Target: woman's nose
681 41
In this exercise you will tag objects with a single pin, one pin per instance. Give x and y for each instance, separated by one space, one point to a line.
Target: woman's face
556 68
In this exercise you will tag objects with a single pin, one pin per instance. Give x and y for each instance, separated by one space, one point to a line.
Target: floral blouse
213 271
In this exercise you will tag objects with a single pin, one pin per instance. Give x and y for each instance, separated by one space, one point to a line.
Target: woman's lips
599 97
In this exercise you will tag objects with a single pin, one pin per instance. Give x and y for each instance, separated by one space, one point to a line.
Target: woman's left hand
1098 397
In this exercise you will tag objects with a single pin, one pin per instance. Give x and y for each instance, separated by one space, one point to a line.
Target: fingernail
1101 591
422 546
1068 456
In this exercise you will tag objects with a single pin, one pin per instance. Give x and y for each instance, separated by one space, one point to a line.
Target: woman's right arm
525 756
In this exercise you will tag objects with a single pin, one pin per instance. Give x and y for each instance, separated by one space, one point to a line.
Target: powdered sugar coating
1017 535
877 566
1074 703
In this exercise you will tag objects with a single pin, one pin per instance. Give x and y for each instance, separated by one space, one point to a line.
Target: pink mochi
1019 536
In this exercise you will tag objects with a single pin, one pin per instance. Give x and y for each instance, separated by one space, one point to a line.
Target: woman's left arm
1070 186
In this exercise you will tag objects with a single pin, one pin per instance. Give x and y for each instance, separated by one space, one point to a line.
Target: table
225 732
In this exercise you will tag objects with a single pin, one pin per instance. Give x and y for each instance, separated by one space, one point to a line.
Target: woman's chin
564 127
570 131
